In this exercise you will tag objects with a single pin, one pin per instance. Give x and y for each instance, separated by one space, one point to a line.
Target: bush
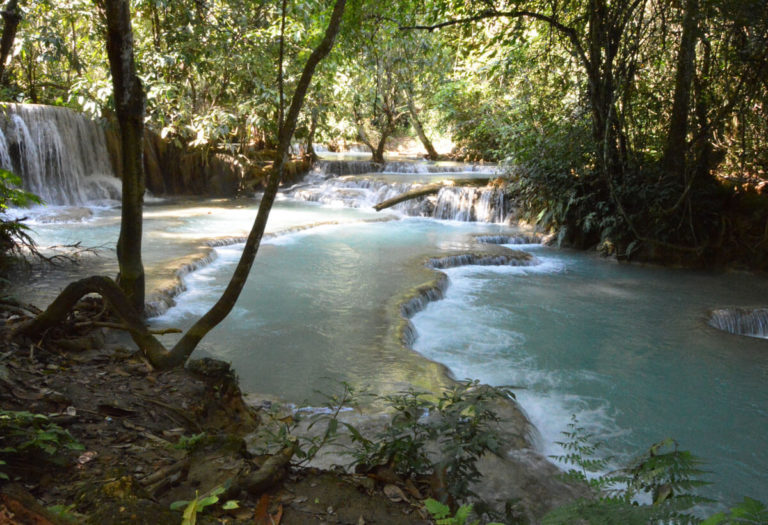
13 232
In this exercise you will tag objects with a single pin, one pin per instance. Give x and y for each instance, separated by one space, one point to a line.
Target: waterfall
484 204
59 154
741 321
458 203
520 238
339 168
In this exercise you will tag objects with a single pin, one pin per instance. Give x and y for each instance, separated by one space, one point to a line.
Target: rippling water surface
625 348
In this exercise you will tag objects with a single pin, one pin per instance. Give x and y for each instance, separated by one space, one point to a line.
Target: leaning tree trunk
11 18
431 152
152 348
226 302
129 102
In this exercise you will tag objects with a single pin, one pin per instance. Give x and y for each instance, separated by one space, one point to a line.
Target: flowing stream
627 349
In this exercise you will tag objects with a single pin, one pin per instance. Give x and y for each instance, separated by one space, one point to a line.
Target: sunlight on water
624 348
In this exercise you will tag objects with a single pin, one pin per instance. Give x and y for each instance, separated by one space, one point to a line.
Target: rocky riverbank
142 440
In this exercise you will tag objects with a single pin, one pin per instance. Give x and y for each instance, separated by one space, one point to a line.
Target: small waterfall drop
60 155
363 184
741 321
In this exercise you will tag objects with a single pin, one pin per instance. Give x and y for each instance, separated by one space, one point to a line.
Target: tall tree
178 355
129 105
675 149
11 18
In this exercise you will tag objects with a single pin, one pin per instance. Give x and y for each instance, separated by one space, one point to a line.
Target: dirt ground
139 453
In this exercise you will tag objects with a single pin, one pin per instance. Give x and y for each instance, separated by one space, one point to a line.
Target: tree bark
11 19
431 152
129 102
314 116
408 195
675 148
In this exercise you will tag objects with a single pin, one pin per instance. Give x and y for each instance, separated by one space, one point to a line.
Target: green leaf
436 509
207 501
231 504
176 505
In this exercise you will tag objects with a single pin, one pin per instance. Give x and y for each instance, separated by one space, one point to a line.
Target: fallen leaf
28 396
261 514
85 457
394 493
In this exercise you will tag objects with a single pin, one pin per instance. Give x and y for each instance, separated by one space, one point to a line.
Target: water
625 348
60 155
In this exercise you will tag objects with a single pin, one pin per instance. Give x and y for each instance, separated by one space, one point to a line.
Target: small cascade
60 155
340 168
514 258
458 203
438 167
741 321
483 204
522 238
351 192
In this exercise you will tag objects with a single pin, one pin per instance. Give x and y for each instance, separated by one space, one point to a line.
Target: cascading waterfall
339 168
741 321
59 154
458 203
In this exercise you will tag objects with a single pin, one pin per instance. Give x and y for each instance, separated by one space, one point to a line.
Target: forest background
637 127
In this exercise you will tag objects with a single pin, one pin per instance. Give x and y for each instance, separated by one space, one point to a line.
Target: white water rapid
362 184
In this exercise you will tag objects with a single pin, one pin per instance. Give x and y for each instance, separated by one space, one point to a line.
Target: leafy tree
153 349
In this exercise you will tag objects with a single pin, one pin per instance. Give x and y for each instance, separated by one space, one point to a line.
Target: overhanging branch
569 32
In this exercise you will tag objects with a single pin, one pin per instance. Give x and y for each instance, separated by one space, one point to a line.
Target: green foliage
14 234
11 195
664 474
582 453
441 513
283 432
199 504
748 512
67 513
479 119
24 433
460 423
189 442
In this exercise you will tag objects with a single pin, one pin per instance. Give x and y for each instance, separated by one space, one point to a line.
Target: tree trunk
11 18
431 152
315 114
226 302
675 149
703 151
601 88
378 153
152 348
129 102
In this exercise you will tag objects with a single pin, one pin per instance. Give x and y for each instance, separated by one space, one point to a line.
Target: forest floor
148 439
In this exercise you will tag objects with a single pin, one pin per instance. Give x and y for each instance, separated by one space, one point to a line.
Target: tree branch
569 32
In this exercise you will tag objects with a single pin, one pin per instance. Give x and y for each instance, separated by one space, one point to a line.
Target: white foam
475 340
